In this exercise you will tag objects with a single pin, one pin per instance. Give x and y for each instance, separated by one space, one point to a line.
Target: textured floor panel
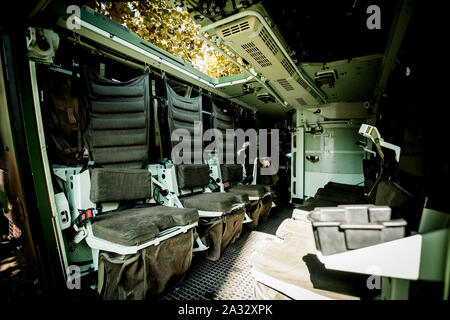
229 278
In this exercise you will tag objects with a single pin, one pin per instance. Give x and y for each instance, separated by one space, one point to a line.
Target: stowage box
349 227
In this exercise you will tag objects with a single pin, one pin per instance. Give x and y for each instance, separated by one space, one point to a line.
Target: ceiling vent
289 68
250 39
256 54
236 28
285 84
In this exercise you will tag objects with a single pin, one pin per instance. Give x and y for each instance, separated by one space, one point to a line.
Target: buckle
85 216
226 185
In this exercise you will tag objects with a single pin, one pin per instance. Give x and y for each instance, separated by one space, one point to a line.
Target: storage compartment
349 227
148 272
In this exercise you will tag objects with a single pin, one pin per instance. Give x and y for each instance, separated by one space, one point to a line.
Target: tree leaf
172 30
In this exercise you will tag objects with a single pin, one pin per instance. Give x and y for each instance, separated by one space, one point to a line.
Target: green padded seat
253 190
242 195
137 226
212 201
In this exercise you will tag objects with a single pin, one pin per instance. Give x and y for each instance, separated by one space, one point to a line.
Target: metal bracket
81 234
247 218
201 246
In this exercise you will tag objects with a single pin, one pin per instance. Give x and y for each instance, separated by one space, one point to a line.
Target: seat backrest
222 120
117 137
118 120
182 113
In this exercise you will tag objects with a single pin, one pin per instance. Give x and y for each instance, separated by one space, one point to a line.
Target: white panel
63 210
81 192
396 259
340 159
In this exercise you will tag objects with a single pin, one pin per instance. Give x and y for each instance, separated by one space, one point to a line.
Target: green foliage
172 30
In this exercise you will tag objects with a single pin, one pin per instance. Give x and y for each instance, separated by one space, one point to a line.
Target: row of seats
222 214
260 195
117 137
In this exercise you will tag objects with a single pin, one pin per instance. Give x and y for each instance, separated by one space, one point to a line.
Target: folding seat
233 174
285 267
288 267
221 214
137 246
331 195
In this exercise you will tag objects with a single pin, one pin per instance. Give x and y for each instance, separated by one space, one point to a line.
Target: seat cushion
269 188
340 196
294 262
253 190
301 215
313 203
211 201
289 228
136 226
242 195
344 187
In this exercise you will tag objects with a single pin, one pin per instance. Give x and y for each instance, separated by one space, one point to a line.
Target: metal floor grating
229 278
